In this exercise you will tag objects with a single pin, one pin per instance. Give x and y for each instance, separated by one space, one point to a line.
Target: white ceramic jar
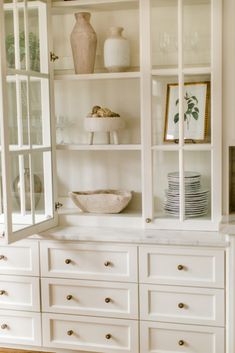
116 51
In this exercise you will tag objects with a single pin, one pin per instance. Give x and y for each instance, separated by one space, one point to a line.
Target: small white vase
116 51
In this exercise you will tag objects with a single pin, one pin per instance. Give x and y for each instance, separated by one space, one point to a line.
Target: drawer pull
67 261
107 300
108 336
70 332
148 220
107 263
69 297
180 267
4 326
181 305
2 257
2 292
181 342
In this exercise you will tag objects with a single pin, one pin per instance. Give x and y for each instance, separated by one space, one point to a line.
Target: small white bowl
101 201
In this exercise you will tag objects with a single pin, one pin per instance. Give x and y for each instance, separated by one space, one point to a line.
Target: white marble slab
137 236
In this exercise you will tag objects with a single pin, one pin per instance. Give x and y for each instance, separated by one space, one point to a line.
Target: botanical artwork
195 107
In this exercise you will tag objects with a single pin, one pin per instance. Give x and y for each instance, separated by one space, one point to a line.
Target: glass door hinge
58 205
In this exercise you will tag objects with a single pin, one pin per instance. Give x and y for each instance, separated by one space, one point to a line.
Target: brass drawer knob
107 263
148 220
180 267
53 56
2 292
67 261
108 336
69 297
181 342
4 326
107 300
70 332
181 305
2 257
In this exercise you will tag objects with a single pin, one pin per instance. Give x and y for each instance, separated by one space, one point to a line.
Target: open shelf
74 147
96 76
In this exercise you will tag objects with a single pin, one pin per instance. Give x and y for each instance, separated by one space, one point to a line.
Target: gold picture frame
196 112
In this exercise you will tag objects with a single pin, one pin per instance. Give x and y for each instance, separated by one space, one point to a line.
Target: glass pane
36 106
197 110
165 109
197 32
22 39
12 111
9 41
165 184
164 29
34 39
197 172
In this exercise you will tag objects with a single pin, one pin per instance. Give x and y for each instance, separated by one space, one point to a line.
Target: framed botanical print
196 112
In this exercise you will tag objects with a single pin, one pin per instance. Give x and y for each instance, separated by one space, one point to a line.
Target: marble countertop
135 236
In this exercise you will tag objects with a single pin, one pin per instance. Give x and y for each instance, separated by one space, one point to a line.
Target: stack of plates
196 198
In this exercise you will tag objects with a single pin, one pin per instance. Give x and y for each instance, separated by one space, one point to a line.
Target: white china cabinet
169 98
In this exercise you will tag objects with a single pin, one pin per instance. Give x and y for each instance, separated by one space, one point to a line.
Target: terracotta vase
83 42
116 51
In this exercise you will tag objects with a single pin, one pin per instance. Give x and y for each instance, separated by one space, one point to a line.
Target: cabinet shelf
186 147
200 70
96 76
92 5
75 147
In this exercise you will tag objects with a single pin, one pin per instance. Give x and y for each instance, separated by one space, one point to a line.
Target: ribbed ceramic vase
83 42
116 51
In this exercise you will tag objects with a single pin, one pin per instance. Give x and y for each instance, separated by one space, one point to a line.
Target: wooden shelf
74 147
96 76
197 70
186 147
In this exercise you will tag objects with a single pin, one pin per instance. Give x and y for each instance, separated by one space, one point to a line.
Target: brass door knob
69 297
70 332
108 336
2 292
67 261
107 263
107 300
181 305
180 267
148 220
181 342
53 56
4 326
2 257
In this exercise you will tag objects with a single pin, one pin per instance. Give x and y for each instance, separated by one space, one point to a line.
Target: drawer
20 328
108 299
90 334
98 262
19 293
187 266
187 305
22 258
171 338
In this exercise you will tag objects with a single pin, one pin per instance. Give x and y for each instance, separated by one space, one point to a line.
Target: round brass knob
107 300
148 220
67 261
4 326
181 342
69 332
2 292
69 297
108 336
180 305
107 263
180 267
2 257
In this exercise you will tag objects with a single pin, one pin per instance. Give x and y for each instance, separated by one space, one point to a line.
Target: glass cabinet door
27 204
185 116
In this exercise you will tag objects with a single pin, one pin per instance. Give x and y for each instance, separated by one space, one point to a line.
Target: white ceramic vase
116 51
83 42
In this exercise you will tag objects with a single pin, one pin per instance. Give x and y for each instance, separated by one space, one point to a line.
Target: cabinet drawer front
20 328
108 299
19 293
196 267
20 259
91 334
182 305
96 262
165 338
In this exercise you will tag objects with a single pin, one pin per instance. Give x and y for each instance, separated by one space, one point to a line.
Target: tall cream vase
83 42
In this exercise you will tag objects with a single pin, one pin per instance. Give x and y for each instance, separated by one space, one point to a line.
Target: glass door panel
197 33
164 37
